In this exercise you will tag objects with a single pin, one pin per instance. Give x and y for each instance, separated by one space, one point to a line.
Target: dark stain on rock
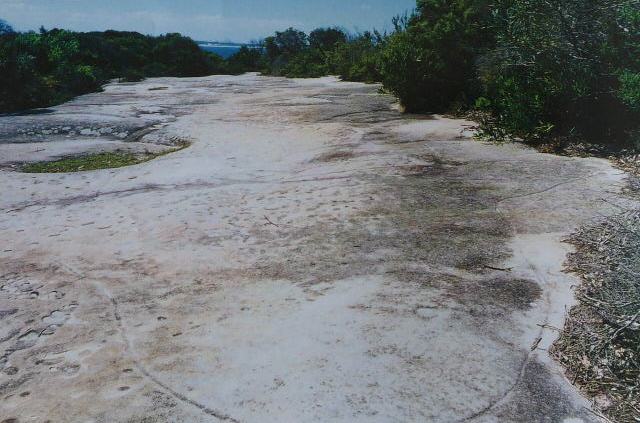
5 313
503 292
335 156
538 397
13 384
435 166
10 371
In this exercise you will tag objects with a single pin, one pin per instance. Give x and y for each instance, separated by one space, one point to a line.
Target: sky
211 20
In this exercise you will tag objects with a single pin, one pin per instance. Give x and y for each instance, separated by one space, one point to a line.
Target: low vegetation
82 163
86 162
325 51
50 67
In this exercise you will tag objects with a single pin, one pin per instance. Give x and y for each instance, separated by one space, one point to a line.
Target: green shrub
629 91
245 60
326 39
50 67
357 59
82 79
325 51
309 63
553 70
134 75
430 64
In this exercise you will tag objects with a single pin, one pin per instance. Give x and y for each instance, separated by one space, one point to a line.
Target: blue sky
222 20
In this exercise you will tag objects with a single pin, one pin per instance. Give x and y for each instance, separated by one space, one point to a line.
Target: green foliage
326 39
358 59
564 68
429 63
542 68
247 59
283 48
179 56
324 51
83 163
309 63
290 42
135 75
629 91
106 160
49 67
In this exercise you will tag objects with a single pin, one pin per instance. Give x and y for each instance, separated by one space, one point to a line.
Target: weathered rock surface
314 256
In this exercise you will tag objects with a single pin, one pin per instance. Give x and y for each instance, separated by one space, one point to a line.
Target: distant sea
225 50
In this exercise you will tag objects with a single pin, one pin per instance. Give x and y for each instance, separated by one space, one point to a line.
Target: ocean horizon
225 50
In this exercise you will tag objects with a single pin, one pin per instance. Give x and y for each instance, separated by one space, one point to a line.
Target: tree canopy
49 67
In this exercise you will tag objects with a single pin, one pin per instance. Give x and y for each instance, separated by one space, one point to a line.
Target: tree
271 48
325 39
48 67
358 58
283 48
247 59
431 65
291 42
564 68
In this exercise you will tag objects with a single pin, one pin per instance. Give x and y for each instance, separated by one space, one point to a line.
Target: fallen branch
499 269
269 222
536 343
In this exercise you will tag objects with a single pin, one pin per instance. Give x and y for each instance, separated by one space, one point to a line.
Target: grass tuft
110 160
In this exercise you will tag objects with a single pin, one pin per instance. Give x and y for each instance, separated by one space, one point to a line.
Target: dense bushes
430 63
41 69
358 59
540 68
247 59
537 69
564 68
324 51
